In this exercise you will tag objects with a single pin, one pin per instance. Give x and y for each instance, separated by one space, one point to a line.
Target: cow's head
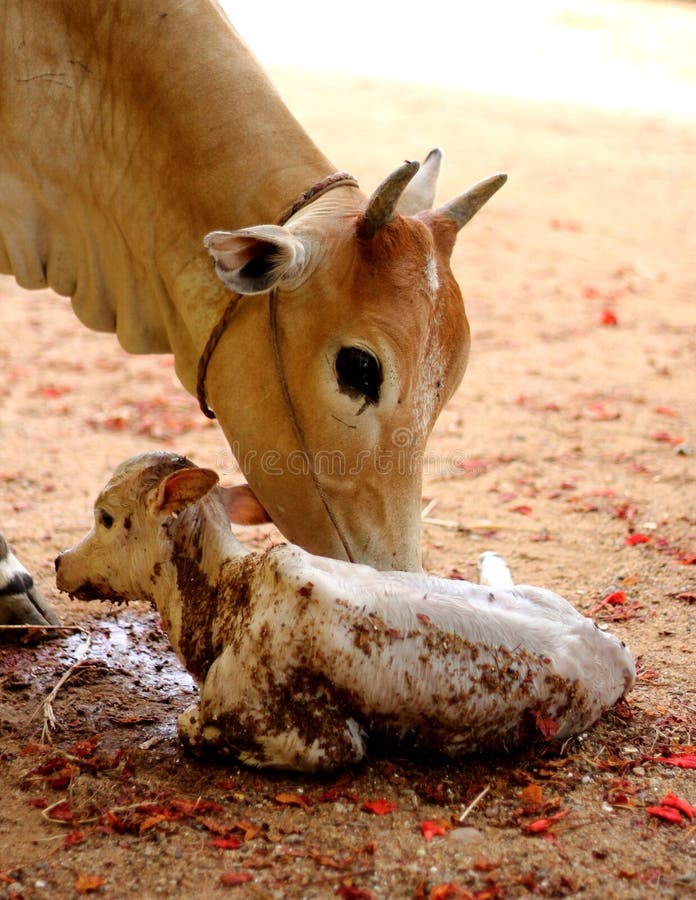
370 341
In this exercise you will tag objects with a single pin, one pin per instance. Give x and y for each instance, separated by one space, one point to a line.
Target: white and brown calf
301 658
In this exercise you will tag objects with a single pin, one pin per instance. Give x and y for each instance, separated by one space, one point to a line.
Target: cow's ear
179 490
243 506
254 260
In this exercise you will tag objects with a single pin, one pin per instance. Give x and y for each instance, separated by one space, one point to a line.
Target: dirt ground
569 448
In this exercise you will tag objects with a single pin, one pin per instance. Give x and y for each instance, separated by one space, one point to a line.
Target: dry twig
477 799
46 707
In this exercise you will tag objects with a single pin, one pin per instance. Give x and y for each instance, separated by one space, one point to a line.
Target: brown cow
131 131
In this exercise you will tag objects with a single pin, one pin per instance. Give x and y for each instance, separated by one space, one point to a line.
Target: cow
302 659
326 333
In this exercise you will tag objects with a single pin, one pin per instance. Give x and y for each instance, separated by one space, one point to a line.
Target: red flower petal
636 538
665 812
686 761
680 804
617 598
379 807
541 825
608 318
430 829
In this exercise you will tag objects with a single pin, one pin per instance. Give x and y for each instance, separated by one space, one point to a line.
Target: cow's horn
382 204
420 191
464 207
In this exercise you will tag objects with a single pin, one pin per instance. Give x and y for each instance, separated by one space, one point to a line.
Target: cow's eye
104 518
359 372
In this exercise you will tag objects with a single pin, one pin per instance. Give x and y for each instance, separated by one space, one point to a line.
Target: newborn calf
301 659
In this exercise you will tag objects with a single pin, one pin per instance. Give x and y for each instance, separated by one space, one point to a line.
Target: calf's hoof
197 740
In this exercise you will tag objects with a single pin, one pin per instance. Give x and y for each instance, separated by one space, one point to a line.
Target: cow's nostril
56 561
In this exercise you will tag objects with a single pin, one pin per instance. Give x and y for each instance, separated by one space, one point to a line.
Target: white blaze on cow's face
373 340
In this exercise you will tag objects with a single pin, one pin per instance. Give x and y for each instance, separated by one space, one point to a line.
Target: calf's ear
254 260
180 489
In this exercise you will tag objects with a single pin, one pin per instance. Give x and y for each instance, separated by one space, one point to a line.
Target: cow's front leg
20 602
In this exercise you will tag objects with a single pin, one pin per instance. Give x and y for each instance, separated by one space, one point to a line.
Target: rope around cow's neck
338 179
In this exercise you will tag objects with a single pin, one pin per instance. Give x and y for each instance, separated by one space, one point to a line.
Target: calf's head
348 361
121 555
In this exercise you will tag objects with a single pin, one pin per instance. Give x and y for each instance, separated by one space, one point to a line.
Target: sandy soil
568 448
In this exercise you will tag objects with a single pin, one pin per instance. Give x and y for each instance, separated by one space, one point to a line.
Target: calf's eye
359 372
104 518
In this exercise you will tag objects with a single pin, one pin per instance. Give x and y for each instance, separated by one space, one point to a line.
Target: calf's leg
270 723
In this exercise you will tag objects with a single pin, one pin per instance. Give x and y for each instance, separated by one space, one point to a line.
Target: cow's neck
173 130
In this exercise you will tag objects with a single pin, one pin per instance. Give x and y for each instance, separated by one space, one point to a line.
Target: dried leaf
230 879
664 437
227 843
449 891
294 800
133 720
532 795
85 748
153 821
379 807
349 891
185 807
87 884
60 812
72 838
598 412
546 725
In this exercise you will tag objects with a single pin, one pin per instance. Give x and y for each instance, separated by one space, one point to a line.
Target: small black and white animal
20 601
301 659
